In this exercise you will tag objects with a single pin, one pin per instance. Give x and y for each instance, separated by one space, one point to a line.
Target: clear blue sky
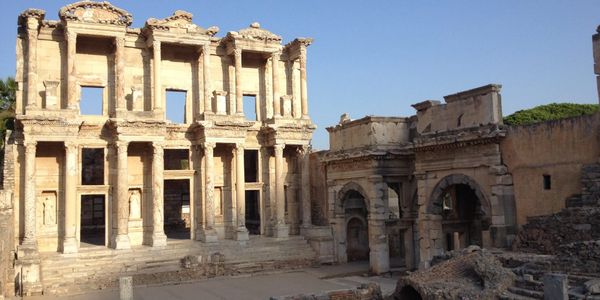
379 57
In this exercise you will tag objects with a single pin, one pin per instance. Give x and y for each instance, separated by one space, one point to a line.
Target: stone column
239 96
304 163
69 244
241 233
157 60
120 105
280 230
121 239
158 238
32 38
206 78
303 88
379 255
275 71
71 40
208 234
29 237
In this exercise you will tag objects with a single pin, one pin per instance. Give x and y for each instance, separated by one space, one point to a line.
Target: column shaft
239 96
71 40
158 234
208 233
240 189
206 78
157 60
69 244
304 162
275 84
122 199
281 229
29 237
120 74
303 88
32 32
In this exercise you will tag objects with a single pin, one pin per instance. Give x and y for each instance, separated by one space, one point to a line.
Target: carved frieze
95 12
181 22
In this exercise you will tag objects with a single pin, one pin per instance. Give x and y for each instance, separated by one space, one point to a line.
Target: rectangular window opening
250 107
175 102
91 101
547 182
251 165
177 159
92 171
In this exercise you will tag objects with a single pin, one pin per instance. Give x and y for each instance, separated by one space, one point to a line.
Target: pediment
179 22
95 12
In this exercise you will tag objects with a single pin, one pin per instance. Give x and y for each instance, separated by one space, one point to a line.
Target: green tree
553 111
8 97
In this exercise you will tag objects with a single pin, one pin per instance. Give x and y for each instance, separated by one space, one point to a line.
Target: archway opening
357 236
461 217
408 292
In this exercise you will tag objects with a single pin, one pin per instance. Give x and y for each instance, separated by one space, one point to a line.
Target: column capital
158 148
71 146
210 145
276 54
70 35
237 52
121 144
29 143
156 45
278 149
303 149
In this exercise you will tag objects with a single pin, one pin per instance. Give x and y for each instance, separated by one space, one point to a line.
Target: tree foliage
8 97
553 111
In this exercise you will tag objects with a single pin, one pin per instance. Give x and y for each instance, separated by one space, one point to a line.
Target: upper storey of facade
91 66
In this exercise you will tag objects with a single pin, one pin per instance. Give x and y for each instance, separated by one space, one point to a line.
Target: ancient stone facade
124 175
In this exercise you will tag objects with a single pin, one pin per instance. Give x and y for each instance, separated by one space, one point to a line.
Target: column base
241 234
305 229
158 239
207 235
281 231
379 259
122 242
28 262
69 245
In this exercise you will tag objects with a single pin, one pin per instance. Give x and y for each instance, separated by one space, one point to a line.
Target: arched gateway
357 237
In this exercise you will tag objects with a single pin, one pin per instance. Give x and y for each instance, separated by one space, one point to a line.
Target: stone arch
341 196
434 205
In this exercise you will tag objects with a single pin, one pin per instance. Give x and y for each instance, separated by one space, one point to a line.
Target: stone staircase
181 260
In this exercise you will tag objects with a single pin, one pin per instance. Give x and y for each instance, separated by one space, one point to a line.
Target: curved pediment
180 21
95 12
254 32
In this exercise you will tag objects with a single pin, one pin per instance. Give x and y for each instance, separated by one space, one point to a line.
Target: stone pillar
304 163
120 105
158 238
456 240
208 234
157 60
379 256
275 71
29 237
280 230
596 54
121 239
239 96
206 78
69 243
32 38
241 233
303 88
71 40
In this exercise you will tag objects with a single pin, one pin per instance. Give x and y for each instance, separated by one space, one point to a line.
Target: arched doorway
357 237
463 207
461 218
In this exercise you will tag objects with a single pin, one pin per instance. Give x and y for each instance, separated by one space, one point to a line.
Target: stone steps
526 292
99 268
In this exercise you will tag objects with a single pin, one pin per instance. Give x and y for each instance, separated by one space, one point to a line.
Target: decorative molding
95 12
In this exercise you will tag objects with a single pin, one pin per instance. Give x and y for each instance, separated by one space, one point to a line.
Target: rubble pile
545 234
471 273
579 257
370 291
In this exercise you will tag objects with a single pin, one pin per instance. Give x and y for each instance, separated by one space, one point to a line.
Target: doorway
93 220
461 217
177 222
253 212
357 235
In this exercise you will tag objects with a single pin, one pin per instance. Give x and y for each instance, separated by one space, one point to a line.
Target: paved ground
312 280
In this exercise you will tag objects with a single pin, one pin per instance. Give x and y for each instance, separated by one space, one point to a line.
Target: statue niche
135 204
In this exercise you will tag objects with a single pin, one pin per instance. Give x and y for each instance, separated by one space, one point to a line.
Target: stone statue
135 205
49 209
345 118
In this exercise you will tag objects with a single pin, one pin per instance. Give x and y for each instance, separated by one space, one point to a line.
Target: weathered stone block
556 287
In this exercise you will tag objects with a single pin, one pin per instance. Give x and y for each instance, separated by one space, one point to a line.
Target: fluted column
280 230
71 40
158 238
275 84
206 78
121 239
303 88
208 233
29 237
303 162
69 244
32 38
120 105
157 60
239 94
240 196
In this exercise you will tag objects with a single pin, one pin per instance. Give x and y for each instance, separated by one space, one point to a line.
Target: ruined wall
369 131
318 189
556 148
